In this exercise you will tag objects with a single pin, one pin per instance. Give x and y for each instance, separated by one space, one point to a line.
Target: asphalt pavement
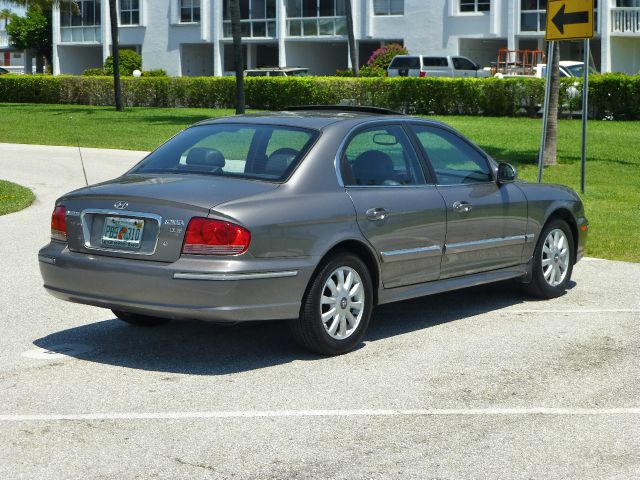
477 384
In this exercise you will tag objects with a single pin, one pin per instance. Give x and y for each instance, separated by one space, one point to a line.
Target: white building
11 58
193 37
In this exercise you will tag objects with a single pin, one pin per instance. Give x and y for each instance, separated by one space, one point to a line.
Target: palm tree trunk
115 52
353 47
551 147
234 7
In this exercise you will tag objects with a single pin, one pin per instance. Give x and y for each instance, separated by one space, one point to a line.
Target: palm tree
549 155
353 47
234 9
5 14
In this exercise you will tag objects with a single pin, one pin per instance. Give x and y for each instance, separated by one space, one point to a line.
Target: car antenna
84 172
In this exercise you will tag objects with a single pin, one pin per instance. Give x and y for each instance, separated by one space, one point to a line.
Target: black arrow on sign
561 18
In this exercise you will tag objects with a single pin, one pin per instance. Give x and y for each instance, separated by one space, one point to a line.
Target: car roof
315 119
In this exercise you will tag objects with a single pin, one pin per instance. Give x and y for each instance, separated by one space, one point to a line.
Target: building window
475 6
129 12
533 15
87 14
257 18
388 7
189 11
315 18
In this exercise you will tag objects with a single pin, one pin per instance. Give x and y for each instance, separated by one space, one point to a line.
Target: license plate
122 232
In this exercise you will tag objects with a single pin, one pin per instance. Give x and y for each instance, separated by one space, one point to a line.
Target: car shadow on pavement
200 348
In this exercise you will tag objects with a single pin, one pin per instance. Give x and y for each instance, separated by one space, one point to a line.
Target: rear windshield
435 62
405 62
261 152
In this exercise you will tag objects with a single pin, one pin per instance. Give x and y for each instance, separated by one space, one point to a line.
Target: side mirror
506 173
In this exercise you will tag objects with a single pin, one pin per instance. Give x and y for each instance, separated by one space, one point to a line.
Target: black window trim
482 153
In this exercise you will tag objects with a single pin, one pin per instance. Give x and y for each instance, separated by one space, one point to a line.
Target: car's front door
464 67
486 221
400 213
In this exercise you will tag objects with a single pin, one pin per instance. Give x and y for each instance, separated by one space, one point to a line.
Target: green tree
46 6
32 32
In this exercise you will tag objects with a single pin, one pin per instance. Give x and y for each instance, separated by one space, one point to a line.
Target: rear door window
435 62
381 156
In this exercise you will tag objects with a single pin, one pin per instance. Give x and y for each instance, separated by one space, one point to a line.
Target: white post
281 32
105 29
55 27
605 36
218 46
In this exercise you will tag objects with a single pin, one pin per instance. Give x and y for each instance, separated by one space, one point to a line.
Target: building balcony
625 21
253 28
317 26
89 35
4 38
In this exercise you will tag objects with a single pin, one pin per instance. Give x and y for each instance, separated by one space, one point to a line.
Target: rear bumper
224 290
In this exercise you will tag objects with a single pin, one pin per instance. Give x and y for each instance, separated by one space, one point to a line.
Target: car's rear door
400 213
486 221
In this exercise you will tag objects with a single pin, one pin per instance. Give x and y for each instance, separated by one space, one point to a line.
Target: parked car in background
277 72
567 69
4 71
313 215
434 66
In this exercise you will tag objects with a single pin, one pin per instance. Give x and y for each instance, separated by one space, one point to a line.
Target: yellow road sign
569 19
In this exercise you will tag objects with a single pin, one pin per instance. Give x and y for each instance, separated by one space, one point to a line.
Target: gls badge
121 205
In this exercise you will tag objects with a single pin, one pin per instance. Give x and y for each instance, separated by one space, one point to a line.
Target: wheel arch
565 214
362 251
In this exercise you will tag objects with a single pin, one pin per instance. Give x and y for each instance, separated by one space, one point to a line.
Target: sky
13 8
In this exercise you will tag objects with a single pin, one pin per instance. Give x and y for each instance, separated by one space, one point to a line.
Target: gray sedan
314 215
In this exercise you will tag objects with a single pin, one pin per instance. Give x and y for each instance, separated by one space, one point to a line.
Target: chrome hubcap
555 257
342 303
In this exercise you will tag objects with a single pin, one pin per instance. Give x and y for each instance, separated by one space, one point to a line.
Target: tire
341 331
139 320
555 282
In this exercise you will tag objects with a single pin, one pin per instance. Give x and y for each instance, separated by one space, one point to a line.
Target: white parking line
584 310
322 413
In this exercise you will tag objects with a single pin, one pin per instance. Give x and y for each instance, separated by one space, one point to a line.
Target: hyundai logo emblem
121 205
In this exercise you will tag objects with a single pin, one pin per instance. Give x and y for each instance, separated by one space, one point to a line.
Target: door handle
376 214
462 207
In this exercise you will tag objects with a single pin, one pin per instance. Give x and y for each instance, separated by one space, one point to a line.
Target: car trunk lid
145 217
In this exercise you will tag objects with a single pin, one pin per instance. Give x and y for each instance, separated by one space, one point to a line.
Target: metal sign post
585 115
545 110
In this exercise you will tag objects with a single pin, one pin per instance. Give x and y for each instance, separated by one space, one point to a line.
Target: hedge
614 96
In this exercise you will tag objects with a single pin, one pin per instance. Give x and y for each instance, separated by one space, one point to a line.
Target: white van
434 66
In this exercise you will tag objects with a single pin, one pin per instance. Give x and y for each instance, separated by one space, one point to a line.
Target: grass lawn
613 167
14 197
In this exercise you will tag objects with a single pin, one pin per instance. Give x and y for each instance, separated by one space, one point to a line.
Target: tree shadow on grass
198 348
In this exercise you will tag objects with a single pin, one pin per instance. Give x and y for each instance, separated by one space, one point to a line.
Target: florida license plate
122 232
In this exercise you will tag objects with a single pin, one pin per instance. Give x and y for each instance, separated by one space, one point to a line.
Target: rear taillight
215 237
59 224
423 74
